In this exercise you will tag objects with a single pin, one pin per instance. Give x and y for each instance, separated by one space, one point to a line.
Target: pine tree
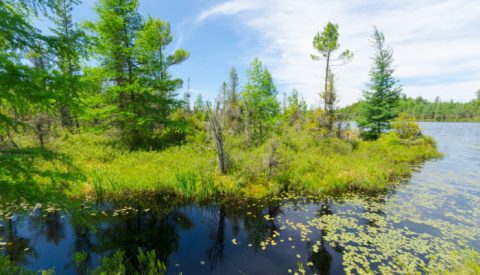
22 84
383 94
136 65
260 100
70 46
158 98
326 43
233 107
199 105
115 32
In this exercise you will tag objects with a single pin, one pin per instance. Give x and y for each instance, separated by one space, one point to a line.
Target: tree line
425 110
114 75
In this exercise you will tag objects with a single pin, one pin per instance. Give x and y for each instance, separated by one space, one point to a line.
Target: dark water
432 214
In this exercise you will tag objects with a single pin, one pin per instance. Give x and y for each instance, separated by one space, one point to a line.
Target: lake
429 215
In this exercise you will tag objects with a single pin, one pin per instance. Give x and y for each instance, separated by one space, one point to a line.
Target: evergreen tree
199 104
158 98
136 65
115 32
326 43
260 100
383 94
70 47
22 84
233 107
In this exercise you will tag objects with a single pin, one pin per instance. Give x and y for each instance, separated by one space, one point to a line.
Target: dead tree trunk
215 128
12 141
247 122
272 161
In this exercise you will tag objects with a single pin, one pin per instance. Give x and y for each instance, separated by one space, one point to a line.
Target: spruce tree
233 108
70 46
383 94
134 57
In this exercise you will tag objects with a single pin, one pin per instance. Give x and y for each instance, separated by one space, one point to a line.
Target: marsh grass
146 263
92 166
468 263
36 173
7 268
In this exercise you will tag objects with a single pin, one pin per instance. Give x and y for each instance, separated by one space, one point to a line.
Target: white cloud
436 43
232 7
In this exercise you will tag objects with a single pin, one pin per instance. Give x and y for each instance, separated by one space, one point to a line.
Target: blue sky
436 42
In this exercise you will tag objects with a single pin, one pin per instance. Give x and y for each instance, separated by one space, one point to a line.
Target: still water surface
435 212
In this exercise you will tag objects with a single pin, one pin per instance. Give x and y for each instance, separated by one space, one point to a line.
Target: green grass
465 262
115 264
91 166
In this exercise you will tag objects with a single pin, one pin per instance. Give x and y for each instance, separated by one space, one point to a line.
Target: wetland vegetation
103 163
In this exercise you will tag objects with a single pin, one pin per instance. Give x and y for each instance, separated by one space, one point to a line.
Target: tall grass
290 160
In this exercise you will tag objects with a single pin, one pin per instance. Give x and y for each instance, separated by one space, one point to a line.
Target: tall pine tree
70 47
383 94
136 65
260 101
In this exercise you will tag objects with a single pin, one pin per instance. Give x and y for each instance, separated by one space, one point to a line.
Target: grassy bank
90 166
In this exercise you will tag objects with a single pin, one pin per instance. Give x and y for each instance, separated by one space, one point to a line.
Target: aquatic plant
9 268
148 264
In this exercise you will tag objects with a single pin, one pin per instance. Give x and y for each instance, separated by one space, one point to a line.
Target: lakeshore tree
326 43
383 93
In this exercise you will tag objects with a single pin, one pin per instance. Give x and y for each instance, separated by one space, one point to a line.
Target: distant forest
425 110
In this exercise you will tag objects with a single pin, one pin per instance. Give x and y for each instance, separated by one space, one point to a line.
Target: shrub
406 127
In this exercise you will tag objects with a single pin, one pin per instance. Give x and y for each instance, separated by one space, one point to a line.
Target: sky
436 43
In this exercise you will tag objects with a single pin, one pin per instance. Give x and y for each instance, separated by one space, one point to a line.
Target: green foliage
334 165
470 264
148 264
7 267
326 43
135 64
424 110
233 105
22 83
36 174
70 46
111 265
383 94
467 263
296 110
437 110
406 127
260 101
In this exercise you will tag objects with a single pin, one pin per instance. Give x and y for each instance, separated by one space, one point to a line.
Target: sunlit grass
300 161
